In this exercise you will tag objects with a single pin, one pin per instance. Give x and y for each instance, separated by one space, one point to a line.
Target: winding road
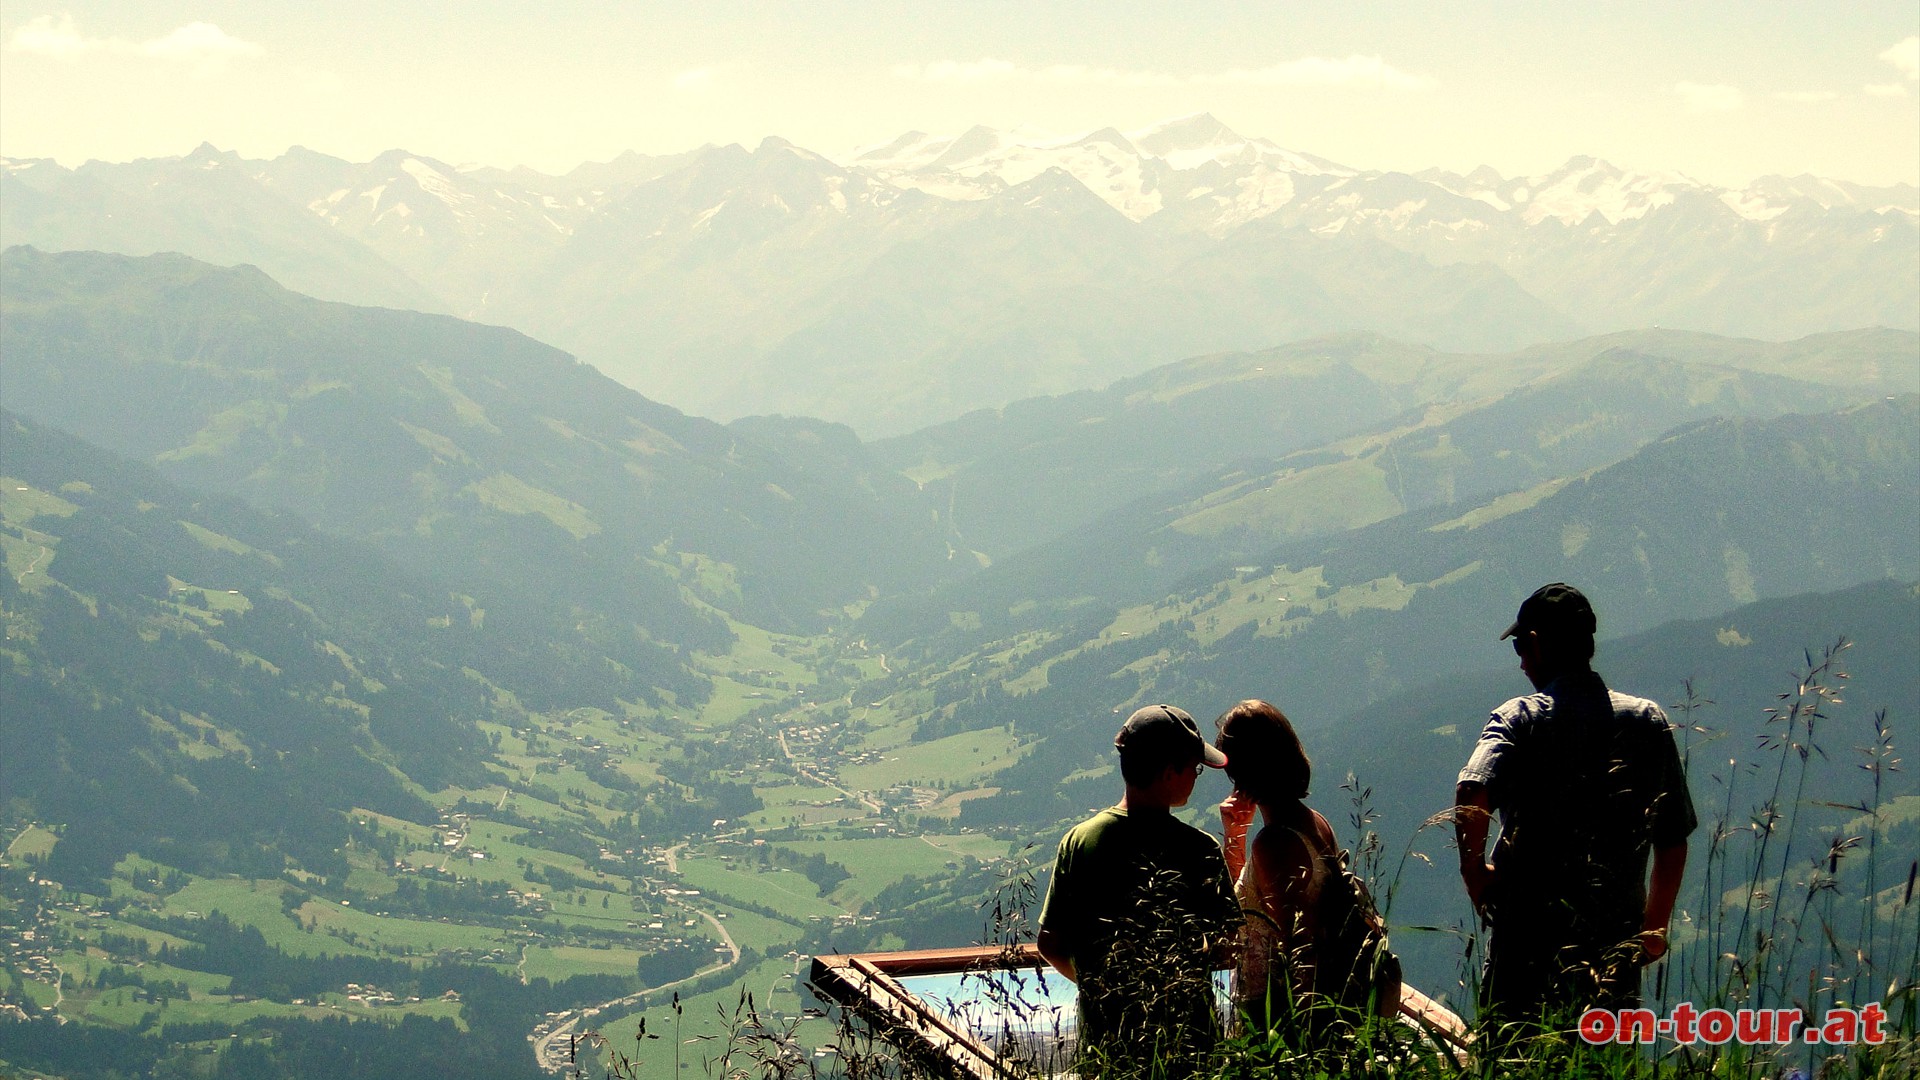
35 565
546 1052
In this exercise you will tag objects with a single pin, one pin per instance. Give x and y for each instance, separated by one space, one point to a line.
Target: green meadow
781 889
699 1029
955 760
557 962
33 842
877 863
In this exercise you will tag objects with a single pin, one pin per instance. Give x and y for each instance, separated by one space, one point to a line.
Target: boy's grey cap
1556 611
1170 730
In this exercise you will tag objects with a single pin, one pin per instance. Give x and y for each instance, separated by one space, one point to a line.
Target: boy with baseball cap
1140 908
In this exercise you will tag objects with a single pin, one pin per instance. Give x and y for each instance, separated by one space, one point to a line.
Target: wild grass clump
1795 905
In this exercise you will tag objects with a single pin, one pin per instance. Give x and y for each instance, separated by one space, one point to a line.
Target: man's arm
1675 820
1669 863
1473 804
1054 951
1472 812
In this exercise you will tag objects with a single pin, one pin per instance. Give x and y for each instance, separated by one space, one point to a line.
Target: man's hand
1653 945
1477 875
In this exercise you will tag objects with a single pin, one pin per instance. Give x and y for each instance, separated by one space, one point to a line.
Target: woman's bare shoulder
1282 865
1279 843
1323 830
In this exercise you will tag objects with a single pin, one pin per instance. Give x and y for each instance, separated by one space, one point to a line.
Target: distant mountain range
500 470
914 281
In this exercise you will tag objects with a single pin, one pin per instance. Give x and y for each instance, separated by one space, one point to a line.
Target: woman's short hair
1264 755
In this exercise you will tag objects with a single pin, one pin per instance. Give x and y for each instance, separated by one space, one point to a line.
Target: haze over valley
911 282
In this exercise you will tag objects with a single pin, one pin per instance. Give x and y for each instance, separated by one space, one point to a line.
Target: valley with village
844 807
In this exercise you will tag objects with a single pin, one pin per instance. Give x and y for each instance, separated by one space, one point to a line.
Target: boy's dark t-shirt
1140 901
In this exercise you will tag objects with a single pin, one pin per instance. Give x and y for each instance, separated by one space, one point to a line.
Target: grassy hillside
1264 440
1712 516
219 686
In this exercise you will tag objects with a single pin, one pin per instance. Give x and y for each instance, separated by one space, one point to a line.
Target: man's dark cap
1169 731
1554 611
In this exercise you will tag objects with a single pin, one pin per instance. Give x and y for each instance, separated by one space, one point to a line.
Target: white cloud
1906 57
1884 90
694 80
201 46
983 70
988 69
1076 74
1354 71
198 43
1361 71
1703 98
42 36
1806 97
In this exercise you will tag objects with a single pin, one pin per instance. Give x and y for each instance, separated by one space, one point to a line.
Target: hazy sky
1723 92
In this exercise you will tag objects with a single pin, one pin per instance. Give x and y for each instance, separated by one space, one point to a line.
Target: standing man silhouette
1589 788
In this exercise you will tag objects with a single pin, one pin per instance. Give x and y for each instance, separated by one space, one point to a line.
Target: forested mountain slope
470 454
1108 497
1715 514
216 686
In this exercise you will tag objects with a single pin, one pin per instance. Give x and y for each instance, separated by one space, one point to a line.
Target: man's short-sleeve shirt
1139 901
1586 781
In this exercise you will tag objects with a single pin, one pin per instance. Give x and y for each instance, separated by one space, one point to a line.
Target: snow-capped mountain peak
1586 186
1191 141
911 146
208 156
436 183
11 165
1184 133
977 146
